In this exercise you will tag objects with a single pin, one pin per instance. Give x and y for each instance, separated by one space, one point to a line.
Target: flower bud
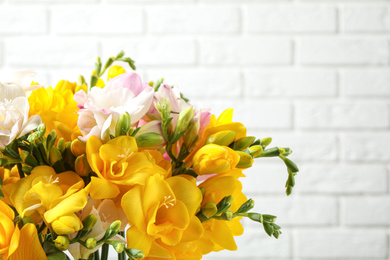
164 108
118 246
246 160
89 222
61 144
209 209
113 229
255 150
227 215
256 217
62 243
248 205
191 135
222 138
184 119
90 243
115 71
78 147
134 253
28 158
81 87
81 166
55 155
224 204
266 141
148 140
123 125
243 143
67 224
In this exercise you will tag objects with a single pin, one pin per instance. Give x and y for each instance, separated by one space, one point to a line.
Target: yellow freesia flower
51 197
65 85
9 177
223 123
219 235
161 214
115 71
29 247
119 165
213 158
9 233
57 109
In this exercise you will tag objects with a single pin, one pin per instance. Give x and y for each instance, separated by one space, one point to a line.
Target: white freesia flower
14 120
15 84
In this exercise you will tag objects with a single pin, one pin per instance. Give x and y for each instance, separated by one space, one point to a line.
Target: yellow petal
156 190
194 230
132 206
93 146
225 117
67 224
127 143
139 240
5 209
102 189
29 247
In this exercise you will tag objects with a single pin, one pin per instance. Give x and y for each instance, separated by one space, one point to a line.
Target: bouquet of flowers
122 164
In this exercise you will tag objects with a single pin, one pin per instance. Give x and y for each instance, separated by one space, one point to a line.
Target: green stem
105 249
97 256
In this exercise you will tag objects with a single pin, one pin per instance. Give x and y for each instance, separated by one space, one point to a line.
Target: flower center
169 201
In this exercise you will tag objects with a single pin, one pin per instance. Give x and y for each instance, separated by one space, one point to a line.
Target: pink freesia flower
100 109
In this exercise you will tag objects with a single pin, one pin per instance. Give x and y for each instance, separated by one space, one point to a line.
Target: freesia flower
15 84
159 214
101 108
119 166
51 197
9 177
57 109
14 120
9 233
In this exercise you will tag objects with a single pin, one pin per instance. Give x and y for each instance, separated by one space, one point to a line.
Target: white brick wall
313 74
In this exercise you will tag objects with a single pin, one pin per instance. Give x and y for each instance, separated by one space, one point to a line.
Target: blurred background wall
313 74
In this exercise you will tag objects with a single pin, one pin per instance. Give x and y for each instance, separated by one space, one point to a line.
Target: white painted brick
325 243
50 51
256 244
297 211
290 18
218 19
371 211
367 147
96 20
365 18
202 83
253 114
22 20
157 51
366 82
345 115
343 51
246 51
290 83
341 179
306 146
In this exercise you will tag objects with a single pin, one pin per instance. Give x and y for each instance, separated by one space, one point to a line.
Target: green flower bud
209 209
62 243
227 215
123 125
191 135
51 139
118 246
90 243
255 150
61 144
256 217
243 143
28 158
224 204
55 155
272 152
89 222
184 119
164 108
248 205
224 138
246 160
148 140
112 230
134 253
266 141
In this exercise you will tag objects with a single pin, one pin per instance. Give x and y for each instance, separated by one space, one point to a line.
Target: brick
202 83
298 211
368 211
306 147
193 19
255 244
253 114
343 51
290 18
96 20
366 82
21 20
51 51
154 51
368 147
365 18
341 179
325 243
344 115
290 83
247 51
